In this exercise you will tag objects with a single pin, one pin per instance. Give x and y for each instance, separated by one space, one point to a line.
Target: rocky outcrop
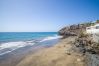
86 42
72 30
83 43
89 48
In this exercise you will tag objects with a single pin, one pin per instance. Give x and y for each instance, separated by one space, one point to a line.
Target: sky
45 15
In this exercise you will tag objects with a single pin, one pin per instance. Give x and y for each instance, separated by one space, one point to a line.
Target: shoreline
61 54
14 57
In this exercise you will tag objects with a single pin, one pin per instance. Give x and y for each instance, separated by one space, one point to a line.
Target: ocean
10 41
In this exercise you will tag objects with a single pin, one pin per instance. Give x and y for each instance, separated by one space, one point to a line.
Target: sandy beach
49 33
16 56
58 55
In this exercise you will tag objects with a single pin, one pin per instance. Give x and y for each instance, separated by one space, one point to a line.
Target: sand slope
55 56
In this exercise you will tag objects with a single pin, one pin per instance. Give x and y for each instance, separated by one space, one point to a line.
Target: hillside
84 42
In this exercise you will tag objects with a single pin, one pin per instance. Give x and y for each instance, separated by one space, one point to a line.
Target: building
94 31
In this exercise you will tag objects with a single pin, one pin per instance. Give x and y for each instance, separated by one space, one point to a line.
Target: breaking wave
11 46
51 38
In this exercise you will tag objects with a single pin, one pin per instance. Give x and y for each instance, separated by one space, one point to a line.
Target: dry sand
55 56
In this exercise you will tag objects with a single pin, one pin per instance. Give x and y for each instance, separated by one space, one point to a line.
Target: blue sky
45 15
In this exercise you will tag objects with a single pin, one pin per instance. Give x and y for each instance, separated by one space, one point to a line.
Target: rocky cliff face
72 30
83 43
84 40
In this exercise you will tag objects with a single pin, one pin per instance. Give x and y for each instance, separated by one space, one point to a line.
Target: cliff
72 30
84 42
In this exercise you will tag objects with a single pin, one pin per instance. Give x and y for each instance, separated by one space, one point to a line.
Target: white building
94 31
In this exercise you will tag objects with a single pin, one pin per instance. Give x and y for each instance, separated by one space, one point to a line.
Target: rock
72 30
68 51
84 42
79 60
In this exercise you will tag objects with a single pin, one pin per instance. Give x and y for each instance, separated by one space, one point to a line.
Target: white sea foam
13 46
51 38
5 52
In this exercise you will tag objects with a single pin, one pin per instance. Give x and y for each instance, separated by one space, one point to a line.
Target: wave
11 46
51 38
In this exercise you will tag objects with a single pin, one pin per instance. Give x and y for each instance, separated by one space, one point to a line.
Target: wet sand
15 57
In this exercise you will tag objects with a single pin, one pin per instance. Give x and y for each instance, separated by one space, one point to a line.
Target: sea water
10 41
